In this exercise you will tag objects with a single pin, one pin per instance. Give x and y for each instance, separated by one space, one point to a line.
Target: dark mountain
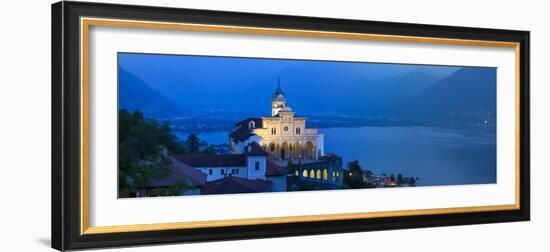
135 94
469 94
312 87
352 92
382 96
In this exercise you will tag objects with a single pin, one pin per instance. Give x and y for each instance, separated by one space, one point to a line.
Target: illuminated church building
261 150
283 136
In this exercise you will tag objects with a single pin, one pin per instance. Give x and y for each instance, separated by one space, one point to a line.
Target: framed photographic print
179 125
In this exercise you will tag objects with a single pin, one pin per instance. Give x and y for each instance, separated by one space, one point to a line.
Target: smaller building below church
268 154
289 142
248 172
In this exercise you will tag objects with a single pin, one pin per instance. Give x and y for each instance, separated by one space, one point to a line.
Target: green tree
412 181
209 150
400 180
141 142
179 187
192 144
353 177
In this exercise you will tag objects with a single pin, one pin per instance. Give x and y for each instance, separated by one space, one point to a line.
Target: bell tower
278 101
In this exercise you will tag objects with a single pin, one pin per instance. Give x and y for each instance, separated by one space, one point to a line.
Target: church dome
279 97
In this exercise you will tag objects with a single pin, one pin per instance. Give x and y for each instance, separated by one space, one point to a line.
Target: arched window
311 174
318 174
273 131
298 131
304 174
296 173
325 174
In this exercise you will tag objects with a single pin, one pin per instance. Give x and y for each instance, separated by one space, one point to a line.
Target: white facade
282 135
215 173
287 138
256 167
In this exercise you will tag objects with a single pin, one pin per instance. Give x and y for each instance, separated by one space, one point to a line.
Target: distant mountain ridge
135 94
467 94
375 97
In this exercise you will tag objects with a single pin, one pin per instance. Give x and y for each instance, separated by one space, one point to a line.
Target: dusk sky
239 84
352 104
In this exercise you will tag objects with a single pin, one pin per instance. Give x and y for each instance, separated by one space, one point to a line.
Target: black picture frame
66 114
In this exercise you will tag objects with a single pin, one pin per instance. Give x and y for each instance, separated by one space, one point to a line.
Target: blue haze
242 84
436 97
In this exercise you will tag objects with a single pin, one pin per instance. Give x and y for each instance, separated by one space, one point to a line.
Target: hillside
469 94
135 94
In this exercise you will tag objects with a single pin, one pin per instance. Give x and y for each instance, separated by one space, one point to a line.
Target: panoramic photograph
206 125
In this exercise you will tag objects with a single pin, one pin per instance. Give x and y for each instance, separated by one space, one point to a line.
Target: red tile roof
210 160
234 184
229 160
242 132
181 172
275 170
244 123
254 149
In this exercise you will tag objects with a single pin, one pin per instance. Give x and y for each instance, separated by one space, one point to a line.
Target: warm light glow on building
283 136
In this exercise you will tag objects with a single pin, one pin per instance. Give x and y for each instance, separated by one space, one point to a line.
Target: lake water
437 156
210 137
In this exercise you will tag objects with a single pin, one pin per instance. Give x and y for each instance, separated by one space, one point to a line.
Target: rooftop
227 160
233 184
254 149
211 160
274 169
242 131
180 172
